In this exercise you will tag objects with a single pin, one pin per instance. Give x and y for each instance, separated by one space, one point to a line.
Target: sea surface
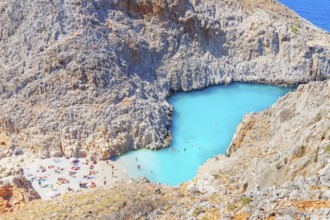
315 11
203 125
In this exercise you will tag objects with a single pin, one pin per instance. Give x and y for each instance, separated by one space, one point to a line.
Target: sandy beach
54 176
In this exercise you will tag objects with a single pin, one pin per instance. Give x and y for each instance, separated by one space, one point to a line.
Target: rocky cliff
93 76
278 167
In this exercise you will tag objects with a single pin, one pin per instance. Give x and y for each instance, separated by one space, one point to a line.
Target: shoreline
56 176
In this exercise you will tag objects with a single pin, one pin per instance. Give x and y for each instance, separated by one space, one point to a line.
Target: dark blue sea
315 11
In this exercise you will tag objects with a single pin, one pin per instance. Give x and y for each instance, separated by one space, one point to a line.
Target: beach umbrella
73 159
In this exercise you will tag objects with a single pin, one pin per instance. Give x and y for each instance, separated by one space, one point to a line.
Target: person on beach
105 182
21 172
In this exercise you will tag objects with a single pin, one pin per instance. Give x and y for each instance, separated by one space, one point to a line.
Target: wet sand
51 177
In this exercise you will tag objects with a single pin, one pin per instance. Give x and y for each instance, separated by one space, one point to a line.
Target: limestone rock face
290 139
277 167
74 72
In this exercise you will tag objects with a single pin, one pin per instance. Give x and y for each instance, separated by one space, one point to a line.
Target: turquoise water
204 121
316 11
203 125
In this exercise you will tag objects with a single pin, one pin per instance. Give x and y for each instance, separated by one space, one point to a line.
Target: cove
203 124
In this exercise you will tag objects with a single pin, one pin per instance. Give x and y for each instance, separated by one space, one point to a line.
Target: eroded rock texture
94 76
280 169
290 139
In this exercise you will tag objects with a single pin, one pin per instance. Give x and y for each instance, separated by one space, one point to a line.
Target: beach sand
45 173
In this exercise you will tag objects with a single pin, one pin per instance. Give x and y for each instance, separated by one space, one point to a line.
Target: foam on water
203 125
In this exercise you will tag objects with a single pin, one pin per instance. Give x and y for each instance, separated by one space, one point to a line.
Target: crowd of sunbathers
83 184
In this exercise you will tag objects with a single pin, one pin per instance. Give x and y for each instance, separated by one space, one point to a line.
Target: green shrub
327 149
300 152
278 165
294 29
317 154
318 118
231 206
285 160
246 201
245 186
197 211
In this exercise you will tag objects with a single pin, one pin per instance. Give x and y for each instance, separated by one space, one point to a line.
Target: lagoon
203 124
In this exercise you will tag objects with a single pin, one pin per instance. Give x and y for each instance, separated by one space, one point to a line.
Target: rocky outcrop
277 167
93 76
16 194
287 140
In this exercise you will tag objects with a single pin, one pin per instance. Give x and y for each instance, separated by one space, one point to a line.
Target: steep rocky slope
266 175
94 76
289 139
